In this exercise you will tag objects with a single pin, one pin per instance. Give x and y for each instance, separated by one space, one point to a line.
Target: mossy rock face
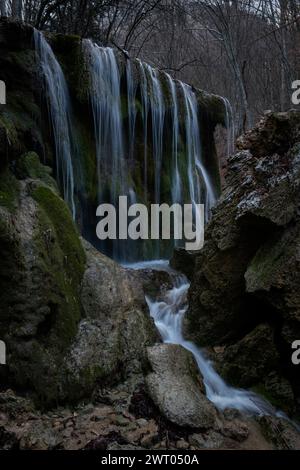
55 210
69 51
15 33
70 317
116 329
247 274
20 118
40 276
29 166
9 190
251 363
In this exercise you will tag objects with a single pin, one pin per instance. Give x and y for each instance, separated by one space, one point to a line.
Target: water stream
168 314
59 104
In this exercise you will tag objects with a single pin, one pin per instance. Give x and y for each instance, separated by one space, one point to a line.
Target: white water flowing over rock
176 177
121 135
59 104
158 119
106 105
132 110
199 181
168 314
230 127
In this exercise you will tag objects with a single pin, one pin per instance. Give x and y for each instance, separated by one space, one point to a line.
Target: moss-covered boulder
40 276
71 317
116 329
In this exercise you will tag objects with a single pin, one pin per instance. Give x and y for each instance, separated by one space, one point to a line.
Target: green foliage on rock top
29 166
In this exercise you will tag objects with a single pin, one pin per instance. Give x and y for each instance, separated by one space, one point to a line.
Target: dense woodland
246 50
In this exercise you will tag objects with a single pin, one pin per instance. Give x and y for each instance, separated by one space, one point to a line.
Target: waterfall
145 112
198 178
168 314
122 165
229 126
176 180
132 111
105 98
157 106
59 105
134 149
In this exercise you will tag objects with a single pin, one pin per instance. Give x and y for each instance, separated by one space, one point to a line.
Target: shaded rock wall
247 274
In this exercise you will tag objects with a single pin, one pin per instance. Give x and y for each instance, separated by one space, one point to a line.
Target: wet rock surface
244 296
176 387
69 315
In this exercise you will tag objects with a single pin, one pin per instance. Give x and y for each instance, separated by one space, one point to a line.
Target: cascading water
229 126
132 146
132 111
59 104
198 178
157 106
145 112
176 179
106 105
168 314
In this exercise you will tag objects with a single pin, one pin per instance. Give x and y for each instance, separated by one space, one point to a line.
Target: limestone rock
247 274
42 263
116 329
176 387
247 361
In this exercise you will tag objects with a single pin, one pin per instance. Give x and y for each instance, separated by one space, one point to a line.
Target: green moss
68 49
214 107
60 263
274 400
8 124
264 264
86 167
59 215
29 166
19 119
9 190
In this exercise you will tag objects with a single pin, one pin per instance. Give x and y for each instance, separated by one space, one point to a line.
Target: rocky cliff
244 295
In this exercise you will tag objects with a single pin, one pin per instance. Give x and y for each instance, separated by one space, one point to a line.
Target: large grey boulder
116 329
176 387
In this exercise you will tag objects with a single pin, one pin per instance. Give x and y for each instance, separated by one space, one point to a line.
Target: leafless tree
246 50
